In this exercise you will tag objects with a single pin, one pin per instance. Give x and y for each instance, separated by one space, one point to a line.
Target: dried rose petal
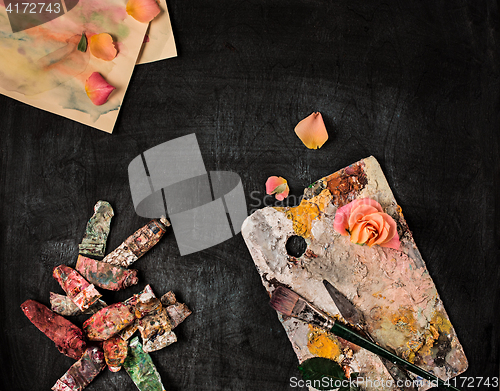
277 186
143 10
312 131
102 46
98 89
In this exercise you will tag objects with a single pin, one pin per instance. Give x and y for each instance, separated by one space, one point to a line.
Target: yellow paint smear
322 344
441 323
437 326
308 211
405 320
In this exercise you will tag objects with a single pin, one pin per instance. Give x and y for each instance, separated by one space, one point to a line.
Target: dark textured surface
416 84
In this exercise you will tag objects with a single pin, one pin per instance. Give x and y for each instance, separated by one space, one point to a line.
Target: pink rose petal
341 222
367 201
312 131
277 186
393 243
98 89
358 212
283 195
143 10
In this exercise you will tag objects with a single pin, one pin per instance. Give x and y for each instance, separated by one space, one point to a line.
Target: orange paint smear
48 35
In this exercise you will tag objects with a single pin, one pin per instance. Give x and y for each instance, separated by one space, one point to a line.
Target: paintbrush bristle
284 300
291 304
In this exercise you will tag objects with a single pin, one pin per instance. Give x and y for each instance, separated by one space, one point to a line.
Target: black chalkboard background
416 84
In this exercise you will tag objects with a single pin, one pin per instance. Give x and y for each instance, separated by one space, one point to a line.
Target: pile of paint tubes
106 336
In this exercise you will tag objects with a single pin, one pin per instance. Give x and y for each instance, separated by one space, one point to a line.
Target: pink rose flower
365 221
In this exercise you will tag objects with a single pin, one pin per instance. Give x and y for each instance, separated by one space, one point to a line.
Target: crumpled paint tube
76 287
97 231
105 275
146 303
128 331
154 323
156 331
141 369
136 245
143 303
63 305
115 352
177 312
108 321
67 337
83 371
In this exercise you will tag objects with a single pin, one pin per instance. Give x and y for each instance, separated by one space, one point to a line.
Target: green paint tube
141 369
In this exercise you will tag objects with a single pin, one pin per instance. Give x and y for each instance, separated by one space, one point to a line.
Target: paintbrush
291 304
355 317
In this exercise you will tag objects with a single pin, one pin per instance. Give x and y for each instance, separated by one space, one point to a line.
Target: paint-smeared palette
392 288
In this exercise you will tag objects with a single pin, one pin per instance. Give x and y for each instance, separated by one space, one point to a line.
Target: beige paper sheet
42 67
161 43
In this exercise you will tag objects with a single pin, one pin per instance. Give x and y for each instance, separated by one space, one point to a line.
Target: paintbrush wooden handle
349 335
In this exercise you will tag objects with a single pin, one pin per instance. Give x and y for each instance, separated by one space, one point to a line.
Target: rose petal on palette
393 243
143 10
312 131
98 89
341 222
102 46
277 186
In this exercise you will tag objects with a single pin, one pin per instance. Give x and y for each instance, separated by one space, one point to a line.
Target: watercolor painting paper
42 67
161 43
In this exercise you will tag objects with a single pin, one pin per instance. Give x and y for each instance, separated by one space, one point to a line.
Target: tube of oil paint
82 372
67 337
141 369
76 287
115 352
105 275
97 231
108 321
63 305
136 245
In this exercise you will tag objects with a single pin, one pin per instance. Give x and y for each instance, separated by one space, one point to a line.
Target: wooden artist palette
392 288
